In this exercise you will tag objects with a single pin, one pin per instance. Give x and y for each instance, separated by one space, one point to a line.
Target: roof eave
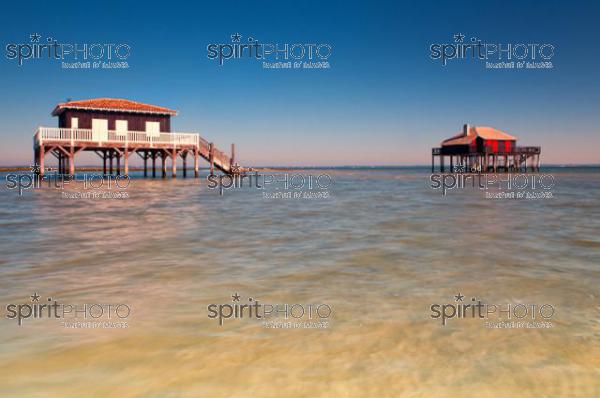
61 107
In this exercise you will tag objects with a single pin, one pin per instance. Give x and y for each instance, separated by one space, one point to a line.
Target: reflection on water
379 251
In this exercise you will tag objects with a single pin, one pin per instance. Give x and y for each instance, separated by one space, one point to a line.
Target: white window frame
74 122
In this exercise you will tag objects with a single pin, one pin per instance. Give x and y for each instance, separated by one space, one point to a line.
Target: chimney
466 130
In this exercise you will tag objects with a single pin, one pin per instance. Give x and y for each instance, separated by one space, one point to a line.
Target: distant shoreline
8 169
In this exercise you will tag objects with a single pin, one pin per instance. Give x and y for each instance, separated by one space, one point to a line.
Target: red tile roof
112 104
487 133
490 133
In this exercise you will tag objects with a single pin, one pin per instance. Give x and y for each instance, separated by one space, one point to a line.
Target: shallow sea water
379 251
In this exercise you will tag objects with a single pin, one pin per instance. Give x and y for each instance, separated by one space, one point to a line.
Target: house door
153 129
100 129
121 127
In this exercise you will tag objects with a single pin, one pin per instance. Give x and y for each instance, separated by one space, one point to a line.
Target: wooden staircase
218 159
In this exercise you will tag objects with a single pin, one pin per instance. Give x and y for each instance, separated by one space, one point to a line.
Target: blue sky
382 102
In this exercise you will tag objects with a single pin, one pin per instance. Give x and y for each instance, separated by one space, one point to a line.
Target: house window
153 129
74 122
121 127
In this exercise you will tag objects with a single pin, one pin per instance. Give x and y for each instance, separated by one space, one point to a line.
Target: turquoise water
379 251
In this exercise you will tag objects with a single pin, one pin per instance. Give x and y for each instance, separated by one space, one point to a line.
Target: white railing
112 136
73 136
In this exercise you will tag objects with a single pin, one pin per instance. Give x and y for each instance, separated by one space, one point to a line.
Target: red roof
112 104
487 133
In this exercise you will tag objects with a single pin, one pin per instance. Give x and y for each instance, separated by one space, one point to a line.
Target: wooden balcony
103 138
64 143
519 150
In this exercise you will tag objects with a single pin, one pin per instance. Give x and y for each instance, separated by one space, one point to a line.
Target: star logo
236 37
35 37
459 297
235 297
235 168
35 297
459 38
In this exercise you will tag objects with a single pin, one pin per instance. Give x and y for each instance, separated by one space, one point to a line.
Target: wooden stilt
72 161
164 164
174 163
126 158
184 158
196 171
42 153
154 155
145 157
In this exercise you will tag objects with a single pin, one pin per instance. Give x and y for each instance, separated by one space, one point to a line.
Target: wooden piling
196 170
174 163
145 157
72 161
42 155
153 154
126 158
